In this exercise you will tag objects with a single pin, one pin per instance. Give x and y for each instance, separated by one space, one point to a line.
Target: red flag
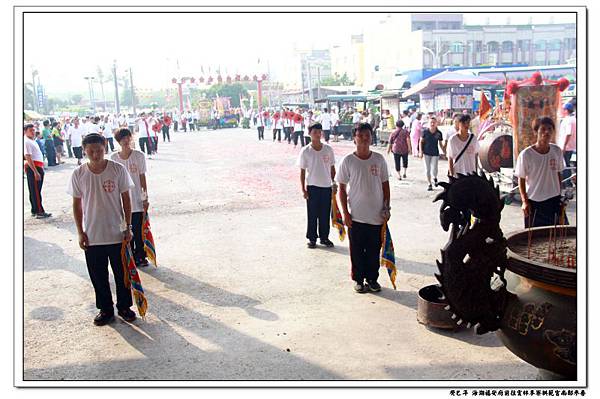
484 108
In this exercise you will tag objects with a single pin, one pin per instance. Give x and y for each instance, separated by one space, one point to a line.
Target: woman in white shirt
539 170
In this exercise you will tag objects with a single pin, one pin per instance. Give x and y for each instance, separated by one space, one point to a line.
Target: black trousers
261 132
326 133
165 132
278 133
137 244
288 133
318 207
155 143
145 145
300 135
35 189
397 158
97 258
192 127
365 247
175 125
50 152
545 213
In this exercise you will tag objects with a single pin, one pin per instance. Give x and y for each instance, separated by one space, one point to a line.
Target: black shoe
374 286
429 188
312 244
103 318
327 243
360 288
435 181
142 263
43 215
127 314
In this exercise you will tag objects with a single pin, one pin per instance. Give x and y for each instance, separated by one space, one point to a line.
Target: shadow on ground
219 351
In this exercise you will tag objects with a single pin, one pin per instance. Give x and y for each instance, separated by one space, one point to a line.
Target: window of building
507 46
478 46
456 47
540 45
554 44
492 47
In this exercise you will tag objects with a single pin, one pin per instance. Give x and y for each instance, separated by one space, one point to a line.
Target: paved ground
237 295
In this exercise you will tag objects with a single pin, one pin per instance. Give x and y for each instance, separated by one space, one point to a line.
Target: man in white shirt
143 127
325 119
102 209
134 162
335 121
76 134
319 161
34 169
107 132
567 140
463 150
92 126
366 207
298 131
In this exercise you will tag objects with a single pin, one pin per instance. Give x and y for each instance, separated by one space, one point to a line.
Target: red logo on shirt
374 170
553 164
108 186
326 159
133 168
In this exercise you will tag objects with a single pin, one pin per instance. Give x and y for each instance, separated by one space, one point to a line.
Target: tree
337 80
234 91
76 99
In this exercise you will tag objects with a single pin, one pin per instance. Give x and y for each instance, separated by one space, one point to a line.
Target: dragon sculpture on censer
474 259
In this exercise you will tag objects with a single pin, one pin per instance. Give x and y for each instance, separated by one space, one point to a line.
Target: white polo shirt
317 164
540 172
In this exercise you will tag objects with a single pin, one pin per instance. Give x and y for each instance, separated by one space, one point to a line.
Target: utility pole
118 108
89 80
34 72
318 81
132 90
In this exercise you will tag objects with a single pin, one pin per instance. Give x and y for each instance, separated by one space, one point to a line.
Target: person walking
49 144
325 120
143 129
400 146
539 168
298 131
416 129
166 127
277 126
317 172
58 142
364 194
101 206
463 149
134 162
34 170
428 148
567 140
260 125
76 133
107 132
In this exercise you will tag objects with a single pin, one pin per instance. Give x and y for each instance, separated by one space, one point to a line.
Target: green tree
126 97
76 99
337 80
234 91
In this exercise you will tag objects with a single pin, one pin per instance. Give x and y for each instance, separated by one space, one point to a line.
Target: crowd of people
110 194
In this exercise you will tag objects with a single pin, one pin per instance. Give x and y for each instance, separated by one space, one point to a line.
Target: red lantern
563 84
537 78
238 78
192 80
219 79
210 79
201 79
264 77
255 78
246 78
228 79
174 80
